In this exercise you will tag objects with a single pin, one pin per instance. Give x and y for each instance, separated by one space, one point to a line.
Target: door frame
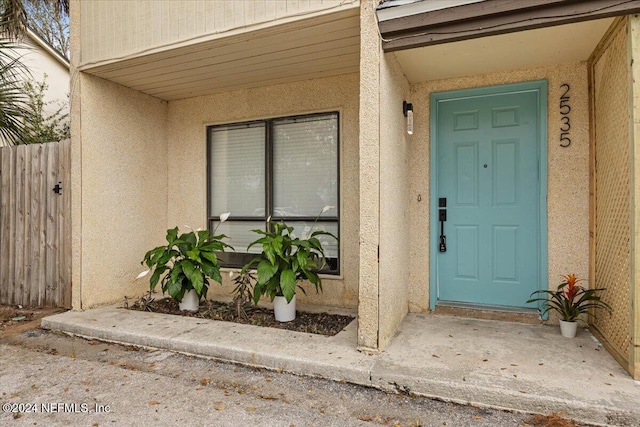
539 86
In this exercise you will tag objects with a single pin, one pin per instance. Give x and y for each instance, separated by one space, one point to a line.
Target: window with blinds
284 169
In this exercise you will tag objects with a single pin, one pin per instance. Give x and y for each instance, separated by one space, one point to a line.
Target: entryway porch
499 364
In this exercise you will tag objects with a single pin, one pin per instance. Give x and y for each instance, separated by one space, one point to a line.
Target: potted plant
286 261
571 300
186 264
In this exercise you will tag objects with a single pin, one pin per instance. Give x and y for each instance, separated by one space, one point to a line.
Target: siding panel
118 28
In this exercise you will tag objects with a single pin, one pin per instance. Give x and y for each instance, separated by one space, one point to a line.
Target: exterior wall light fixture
407 110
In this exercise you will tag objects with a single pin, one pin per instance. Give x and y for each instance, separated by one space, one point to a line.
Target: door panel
466 173
488 169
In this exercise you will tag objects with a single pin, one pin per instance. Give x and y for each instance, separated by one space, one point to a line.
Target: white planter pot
190 301
284 312
568 329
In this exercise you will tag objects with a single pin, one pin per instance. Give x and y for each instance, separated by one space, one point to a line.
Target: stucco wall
369 177
384 189
122 204
187 168
394 200
568 174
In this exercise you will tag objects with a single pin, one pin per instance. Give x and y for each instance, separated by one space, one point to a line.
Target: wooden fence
35 225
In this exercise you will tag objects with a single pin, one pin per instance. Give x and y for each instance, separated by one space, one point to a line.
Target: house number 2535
565 120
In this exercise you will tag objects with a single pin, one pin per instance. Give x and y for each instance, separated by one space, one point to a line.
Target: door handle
442 217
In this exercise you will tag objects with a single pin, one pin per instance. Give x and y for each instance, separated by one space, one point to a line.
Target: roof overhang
417 24
319 46
48 48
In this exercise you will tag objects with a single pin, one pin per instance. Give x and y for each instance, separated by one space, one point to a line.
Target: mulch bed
314 323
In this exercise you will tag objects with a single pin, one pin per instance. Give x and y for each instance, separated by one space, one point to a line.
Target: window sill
226 270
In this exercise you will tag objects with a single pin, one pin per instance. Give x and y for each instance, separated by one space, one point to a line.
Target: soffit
525 49
475 19
321 46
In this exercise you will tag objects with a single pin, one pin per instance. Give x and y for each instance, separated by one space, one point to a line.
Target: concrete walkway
481 362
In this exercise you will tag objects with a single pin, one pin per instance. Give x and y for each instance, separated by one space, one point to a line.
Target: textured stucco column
76 159
119 182
368 286
394 223
634 357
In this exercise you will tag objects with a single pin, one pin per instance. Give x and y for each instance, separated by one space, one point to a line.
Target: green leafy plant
13 99
186 262
47 120
571 300
286 260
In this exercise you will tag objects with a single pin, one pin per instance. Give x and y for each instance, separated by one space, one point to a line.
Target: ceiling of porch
321 46
520 50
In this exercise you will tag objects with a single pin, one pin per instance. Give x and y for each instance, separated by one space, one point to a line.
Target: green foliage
286 260
13 99
44 121
571 300
187 262
21 119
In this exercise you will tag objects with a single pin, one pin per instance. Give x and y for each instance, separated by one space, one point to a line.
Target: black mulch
314 323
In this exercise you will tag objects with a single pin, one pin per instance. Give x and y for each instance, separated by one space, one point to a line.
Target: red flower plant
570 299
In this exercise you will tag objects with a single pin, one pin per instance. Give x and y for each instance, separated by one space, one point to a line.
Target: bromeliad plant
186 262
286 260
571 300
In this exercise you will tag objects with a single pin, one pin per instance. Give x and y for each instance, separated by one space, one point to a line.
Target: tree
13 15
13 99
14 102
50 23
44 121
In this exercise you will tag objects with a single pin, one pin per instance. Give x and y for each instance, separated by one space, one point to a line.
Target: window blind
237 167
305 166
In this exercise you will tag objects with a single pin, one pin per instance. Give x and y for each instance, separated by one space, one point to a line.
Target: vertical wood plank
8 178
35 299
210 16
157 34
35 224
592 174
12 222
259 11
1 228
42 223
269 10
64 212
26 262
51 285
281 8
200 18
4 223
227 15
18 284
634 53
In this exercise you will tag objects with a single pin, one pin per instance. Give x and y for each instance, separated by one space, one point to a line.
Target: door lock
442 217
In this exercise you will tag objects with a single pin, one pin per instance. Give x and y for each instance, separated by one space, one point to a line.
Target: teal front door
489 186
